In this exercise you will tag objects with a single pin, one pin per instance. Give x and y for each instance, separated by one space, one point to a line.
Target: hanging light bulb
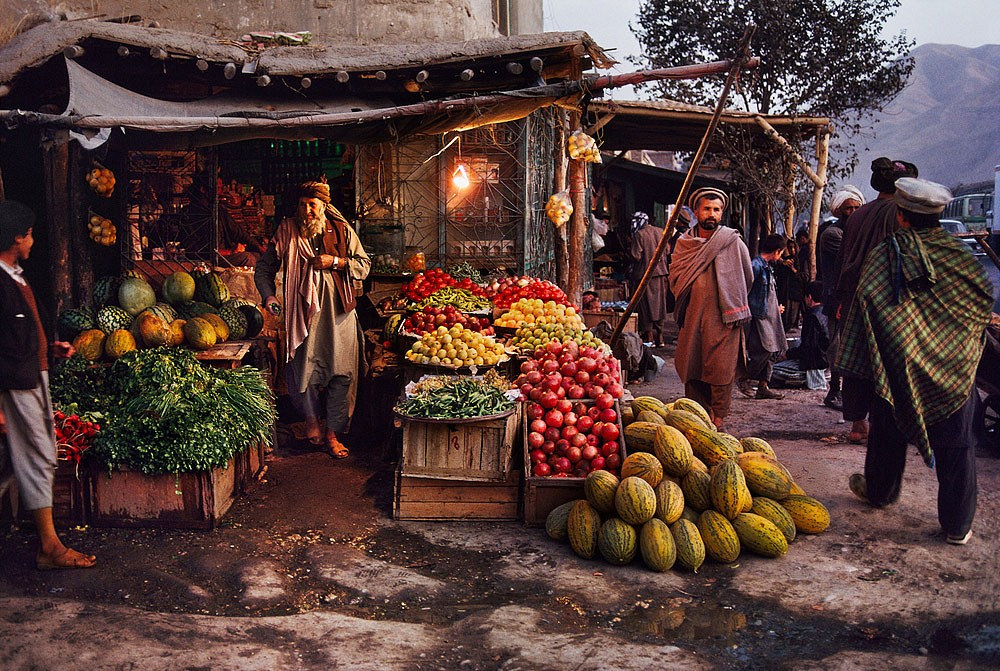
460 178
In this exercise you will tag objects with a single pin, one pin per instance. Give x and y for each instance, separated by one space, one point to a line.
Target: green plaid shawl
916 327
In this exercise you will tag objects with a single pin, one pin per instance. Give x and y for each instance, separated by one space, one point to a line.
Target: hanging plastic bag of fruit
582 146
559 208
101 230
101 180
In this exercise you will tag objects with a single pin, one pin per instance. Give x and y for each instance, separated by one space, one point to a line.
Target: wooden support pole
790 183
58 219
822 157
578 222
773 134
560 160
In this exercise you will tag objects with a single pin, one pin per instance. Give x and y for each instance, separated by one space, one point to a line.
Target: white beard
312 226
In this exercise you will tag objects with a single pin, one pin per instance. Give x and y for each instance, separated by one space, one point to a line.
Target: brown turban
319 190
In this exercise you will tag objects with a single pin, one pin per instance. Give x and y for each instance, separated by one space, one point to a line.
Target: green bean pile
463 299
457 399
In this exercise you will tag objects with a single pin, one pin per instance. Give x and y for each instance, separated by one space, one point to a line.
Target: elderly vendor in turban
711 276
321 257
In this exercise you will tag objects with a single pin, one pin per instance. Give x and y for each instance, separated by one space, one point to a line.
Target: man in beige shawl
711 276
321 256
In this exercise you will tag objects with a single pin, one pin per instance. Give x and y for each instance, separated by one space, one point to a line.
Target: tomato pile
73 435
432 279
509 290
567 436
431 317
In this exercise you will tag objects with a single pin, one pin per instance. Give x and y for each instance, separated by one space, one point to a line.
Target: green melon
255 319
192 309
199 334
111 318
556 522
656 545
210 288
178 288
617 541
105 291
75 321
236 322
135 295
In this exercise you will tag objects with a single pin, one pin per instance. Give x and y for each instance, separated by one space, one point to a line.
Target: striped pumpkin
656 545
728 489
696 486
673 450
774 511
810 516
582 527
760 535
643 465
765 475
617 541
635 500
710 446
599 488
557 520
669 501
720 539
689 545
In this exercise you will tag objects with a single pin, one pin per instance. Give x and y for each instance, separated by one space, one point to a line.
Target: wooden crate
594 317
70 503
128 498
477 450
432 499
543 495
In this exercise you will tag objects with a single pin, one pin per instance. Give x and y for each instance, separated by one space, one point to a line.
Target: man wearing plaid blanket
915 331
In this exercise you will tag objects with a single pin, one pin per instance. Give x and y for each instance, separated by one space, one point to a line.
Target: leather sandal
336 448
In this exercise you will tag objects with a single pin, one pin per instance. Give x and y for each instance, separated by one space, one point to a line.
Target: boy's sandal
336 448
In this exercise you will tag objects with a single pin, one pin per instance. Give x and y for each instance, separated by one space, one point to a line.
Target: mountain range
946 120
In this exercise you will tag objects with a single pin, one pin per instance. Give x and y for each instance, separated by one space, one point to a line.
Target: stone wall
330 21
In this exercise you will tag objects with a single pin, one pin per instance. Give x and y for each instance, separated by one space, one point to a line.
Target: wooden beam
770 132
790 183
559 184
578 221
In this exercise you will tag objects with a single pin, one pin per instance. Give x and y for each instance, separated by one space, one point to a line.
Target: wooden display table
225 355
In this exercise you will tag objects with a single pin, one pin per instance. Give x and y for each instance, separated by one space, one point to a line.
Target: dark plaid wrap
916 327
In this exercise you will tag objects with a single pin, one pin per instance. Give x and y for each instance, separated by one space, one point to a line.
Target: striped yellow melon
810 516
728 489
656 545
689 405
720 539
149 330
751 444
219 324
685 421
710 446
199 333
795 489
765 475
696 486
669 501
118 343
646 403
651 417
599 487
177 332
635 500
617 541
690 514
688 543
732 440
698 465
640 436
760 535
673 450
582 527
774 511
556 522
90 344
643 465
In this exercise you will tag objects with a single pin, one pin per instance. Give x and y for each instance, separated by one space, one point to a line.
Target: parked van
970 209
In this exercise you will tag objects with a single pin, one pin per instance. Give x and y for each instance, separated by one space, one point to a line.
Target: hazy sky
969 23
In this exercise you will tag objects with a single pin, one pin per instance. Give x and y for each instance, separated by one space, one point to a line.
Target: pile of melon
194 310
687 492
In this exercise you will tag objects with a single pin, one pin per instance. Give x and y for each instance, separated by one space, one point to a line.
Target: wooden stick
668 230
822 157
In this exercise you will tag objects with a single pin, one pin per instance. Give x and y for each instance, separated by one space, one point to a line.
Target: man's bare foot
65 559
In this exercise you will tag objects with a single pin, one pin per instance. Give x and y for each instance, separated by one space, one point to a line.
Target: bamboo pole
773 134
668 229
822 157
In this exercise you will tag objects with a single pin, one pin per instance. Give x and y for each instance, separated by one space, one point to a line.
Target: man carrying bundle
711 276
324 353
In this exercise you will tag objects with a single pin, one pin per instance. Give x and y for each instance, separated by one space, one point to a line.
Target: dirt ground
309 570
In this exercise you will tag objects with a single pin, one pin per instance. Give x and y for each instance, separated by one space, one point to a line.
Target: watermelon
210 288
76 321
